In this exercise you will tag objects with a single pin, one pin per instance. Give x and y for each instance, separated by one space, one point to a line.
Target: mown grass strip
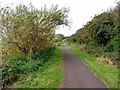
49 76
107 73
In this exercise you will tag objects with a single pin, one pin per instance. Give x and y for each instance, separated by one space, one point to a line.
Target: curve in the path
77 74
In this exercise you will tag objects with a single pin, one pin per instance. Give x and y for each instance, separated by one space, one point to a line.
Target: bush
113 45
44 53
19 64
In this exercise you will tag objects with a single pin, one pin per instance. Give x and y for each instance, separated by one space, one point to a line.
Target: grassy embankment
49 76
107 73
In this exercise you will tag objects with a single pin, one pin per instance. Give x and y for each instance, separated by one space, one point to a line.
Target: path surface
77 74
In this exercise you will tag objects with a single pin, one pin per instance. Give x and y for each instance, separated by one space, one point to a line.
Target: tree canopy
26 28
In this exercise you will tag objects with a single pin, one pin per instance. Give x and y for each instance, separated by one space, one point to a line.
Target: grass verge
49 76
107 73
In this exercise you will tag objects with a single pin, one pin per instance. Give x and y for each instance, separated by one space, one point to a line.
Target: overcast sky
81 11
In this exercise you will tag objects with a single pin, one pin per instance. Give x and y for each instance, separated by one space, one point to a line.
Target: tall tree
27 28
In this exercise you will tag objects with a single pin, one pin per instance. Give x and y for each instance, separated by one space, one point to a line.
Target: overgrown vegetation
101 35
19 64
48 75
28 40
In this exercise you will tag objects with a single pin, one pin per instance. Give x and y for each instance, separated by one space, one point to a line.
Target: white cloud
81 10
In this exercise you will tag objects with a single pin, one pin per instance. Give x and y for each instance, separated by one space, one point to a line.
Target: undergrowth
19 66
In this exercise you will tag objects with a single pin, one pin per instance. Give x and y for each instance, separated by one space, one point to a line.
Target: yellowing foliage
27 28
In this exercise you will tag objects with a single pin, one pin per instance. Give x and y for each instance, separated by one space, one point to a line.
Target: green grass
48 76
107 73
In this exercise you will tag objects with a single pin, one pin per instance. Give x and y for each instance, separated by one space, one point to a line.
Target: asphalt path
77 74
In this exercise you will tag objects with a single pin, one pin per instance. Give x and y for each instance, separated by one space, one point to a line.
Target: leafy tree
28 29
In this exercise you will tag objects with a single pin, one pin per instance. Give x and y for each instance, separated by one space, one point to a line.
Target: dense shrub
101 35
19 64
114 44
44 53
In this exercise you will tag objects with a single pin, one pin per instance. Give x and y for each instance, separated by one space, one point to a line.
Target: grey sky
81 11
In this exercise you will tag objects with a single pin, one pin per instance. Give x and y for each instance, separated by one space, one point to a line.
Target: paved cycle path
77 74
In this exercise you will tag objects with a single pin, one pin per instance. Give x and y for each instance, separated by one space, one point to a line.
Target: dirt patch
83 47
105 60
